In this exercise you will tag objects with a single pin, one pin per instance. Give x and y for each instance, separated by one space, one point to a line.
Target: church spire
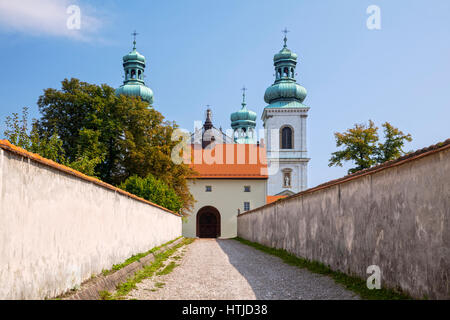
134 34
208 122
285 91
285 31
134 67
243 96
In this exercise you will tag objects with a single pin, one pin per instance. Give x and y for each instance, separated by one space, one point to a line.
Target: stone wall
396 216
59 227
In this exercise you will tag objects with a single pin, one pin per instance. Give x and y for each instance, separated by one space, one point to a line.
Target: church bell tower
133 67
284 120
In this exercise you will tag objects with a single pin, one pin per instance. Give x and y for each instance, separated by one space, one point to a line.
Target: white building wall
227 196
295 159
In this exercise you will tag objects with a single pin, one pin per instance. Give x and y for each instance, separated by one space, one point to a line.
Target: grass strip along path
146 272
136 257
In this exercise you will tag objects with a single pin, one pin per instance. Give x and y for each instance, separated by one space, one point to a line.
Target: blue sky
203 52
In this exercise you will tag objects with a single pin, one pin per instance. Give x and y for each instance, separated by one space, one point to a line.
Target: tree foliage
362 147
18 133
154 190
17 129
87 127
392 148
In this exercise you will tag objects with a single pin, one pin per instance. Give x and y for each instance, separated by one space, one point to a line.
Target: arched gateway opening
208 222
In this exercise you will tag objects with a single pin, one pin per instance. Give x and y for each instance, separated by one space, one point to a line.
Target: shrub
153 190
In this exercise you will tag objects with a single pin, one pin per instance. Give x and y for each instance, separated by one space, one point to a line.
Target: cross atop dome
243 95
285 31
134 34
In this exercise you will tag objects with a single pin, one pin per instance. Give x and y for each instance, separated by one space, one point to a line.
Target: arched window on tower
292 72
133 74
279 73
286 72
139 74
286 138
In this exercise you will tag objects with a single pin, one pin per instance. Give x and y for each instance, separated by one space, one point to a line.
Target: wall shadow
272 279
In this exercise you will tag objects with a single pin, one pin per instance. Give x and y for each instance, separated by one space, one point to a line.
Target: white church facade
236 172
223 190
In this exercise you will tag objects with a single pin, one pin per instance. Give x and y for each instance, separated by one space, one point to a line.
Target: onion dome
243 115
134 56
285 54
243 123
136 90
134 67
285 91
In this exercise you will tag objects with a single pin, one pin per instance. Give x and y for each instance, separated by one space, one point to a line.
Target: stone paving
226 269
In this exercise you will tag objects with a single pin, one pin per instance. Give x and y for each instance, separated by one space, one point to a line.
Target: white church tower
284 121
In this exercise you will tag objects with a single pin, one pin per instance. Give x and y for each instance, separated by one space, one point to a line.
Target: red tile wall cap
270 199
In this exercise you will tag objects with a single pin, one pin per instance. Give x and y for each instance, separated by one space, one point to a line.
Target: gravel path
226 269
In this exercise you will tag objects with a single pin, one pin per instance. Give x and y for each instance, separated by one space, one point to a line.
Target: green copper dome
243 115
285 92
134 85
134 56
243 123
136 90
285 54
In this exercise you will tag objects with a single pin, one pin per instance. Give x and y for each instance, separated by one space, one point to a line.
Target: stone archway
208 222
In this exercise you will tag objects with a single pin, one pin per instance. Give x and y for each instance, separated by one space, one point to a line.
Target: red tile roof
6 145
228 161
270 199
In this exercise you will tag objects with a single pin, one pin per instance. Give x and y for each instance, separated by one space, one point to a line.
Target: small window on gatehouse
246 206
246 188
208 188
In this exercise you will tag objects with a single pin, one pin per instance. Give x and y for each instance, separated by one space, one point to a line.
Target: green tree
17 132
77 113
17 129
112 137
154 190
392 148
89 153
361 147
49 147
85 126
146 147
